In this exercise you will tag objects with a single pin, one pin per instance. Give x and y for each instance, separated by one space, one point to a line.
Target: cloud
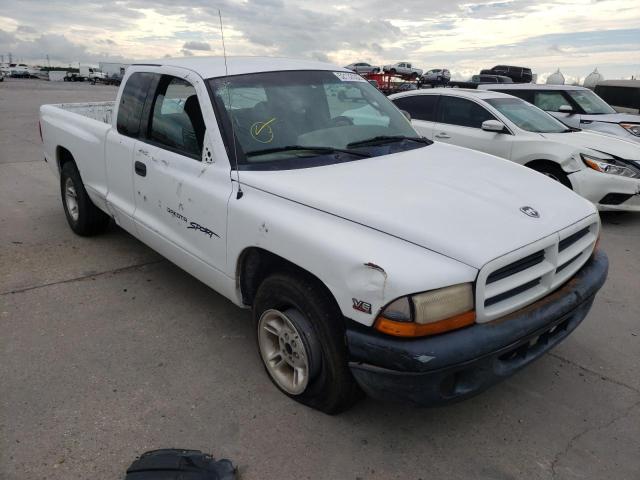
196 46
462 35
25 29
59 48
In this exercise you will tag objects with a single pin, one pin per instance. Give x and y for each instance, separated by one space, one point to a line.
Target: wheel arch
63 155
542 165
255 264
542 162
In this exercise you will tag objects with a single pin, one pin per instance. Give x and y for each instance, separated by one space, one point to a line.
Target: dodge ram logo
530 211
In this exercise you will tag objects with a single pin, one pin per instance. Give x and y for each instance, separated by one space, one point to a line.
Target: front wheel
301 341
83 216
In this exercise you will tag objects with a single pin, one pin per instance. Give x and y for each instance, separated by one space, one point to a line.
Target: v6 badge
361 306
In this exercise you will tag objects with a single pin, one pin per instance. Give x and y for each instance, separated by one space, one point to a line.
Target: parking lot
107 350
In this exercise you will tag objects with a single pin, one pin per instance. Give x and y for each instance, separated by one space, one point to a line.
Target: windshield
590 102
526 116
335 114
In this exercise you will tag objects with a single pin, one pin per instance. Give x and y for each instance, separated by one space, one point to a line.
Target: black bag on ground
177 464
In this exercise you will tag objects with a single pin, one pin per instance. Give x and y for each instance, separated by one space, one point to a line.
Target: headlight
611 166
428 313
632 128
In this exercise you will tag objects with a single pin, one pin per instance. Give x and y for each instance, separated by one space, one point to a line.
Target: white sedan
602 168
363 68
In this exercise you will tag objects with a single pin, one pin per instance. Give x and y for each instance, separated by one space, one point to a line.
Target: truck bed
81 129
100 111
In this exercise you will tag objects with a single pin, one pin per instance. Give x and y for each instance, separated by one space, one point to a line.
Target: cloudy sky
575 35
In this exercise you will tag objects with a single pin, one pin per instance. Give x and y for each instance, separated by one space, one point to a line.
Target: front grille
573 238
526 275
517 266
511 293
566 264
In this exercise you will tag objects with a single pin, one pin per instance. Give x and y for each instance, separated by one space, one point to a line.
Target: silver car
577 107
363 68
436 76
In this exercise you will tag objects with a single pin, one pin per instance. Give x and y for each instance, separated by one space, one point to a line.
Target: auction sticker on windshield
349 77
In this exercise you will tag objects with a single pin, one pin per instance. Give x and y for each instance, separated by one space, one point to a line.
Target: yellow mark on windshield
262 131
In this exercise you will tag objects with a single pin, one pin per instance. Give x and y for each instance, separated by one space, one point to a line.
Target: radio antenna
233 133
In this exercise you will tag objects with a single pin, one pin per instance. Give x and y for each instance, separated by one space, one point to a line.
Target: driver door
459 122
181 191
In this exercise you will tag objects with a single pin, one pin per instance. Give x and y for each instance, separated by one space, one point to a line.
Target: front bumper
453 366
597 187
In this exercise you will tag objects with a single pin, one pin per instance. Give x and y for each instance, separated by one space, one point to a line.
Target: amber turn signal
413 329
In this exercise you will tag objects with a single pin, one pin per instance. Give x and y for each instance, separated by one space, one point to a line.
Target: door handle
442 135
141 169
143 151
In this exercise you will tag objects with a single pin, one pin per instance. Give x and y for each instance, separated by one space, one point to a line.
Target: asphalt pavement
108 350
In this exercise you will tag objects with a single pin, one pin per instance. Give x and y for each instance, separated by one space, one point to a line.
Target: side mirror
565 109
493 126
406 114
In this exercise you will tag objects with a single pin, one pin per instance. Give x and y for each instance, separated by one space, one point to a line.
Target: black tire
88 220
331 387
554 172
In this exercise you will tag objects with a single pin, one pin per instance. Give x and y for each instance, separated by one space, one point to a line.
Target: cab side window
462 112
132 103
550 101
176 118
420 107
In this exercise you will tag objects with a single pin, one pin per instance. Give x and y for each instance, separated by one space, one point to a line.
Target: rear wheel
554 172
301 341
83 216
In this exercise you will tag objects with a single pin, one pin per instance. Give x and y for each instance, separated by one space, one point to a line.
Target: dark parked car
436 76
481 80
491 79
517 74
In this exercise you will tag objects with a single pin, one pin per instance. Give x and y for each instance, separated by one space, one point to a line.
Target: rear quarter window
132 102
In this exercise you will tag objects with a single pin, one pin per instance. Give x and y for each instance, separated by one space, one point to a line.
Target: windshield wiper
288 148
382 139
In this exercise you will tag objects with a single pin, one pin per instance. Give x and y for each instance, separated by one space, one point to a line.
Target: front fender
565 156
360 266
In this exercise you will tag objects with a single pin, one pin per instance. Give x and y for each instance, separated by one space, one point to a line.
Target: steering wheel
341 121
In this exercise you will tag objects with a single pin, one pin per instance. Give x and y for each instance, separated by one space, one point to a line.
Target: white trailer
111 69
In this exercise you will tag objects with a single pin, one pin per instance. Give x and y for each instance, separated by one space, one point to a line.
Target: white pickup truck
403 68
373 259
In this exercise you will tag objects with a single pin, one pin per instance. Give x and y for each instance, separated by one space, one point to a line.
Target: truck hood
599 142
451 200
611 118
